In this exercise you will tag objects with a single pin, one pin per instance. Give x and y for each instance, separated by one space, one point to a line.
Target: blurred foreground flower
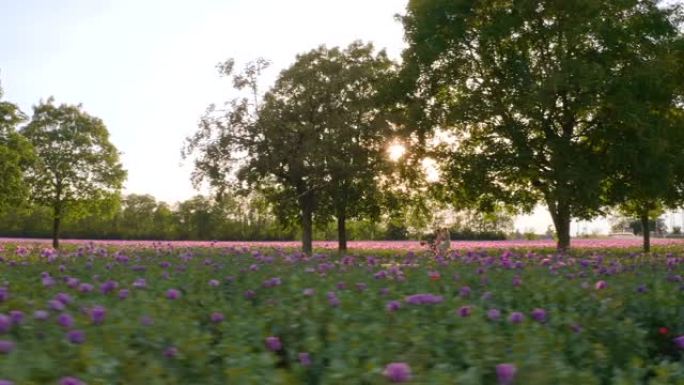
679 341
71 381
398 372
273 343
505 373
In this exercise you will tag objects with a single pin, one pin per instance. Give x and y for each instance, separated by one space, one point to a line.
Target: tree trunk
56 225
306 203
646 231
560 213
341 231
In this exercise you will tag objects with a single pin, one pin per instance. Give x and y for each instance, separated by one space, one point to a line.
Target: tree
344 87
523 85
16 155
647 139
312 143
77 167
138 215
196 218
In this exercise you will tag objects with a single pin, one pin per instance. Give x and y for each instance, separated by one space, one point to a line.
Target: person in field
443 241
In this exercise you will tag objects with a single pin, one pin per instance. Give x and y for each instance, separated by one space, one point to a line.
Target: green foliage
16 155
142 217
77 169
528 88
646 151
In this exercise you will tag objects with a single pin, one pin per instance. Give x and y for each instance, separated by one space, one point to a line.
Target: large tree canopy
524 86
646 151
15 155
77 167
347 87
312 142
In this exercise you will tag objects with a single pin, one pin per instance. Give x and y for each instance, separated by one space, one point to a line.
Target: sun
396 151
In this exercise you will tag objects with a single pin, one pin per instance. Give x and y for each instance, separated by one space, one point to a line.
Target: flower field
228 314
582 243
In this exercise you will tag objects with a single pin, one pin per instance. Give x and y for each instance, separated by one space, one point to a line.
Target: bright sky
148 67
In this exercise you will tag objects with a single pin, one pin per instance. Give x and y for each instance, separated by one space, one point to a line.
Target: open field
172 315
580 243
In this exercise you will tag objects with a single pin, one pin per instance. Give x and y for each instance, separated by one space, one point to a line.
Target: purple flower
98 314
272 282
139 283
214 283
600 285
109 286
85 288
332 299
17 316
486 296
493 314
465 311
273 343
6 382
56 305
304 359
63 298
517 281
464 292
505 373
72 282
76 337
4 294
424 299
516 317
308 292
41 315
249 294
6 346
539 315
123 294
173 294
642 289
146 320
5 323
398 372
393 306
65 320
679 341
171 352
71 381
48 281
217 317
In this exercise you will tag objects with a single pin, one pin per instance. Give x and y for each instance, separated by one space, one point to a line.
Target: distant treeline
142 217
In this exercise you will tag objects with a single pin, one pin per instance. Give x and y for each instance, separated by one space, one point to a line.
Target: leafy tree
196 218
138 215
16 155
77 168
344 89
646 148
311 143
524 87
